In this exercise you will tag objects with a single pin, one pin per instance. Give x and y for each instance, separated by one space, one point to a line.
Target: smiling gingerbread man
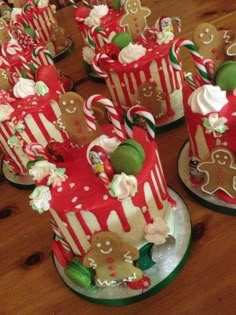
212 42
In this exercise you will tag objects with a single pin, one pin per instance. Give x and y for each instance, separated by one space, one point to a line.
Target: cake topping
96 13
123 186
5 111
40 198
24 88
41 88
131 53
206 99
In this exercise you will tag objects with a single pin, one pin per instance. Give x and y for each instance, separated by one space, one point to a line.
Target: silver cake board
169 259
209 201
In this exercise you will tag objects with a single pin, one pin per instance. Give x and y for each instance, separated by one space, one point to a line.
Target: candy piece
128 157
81 13
78 274
111 50
141 284
121 39
226 76
48 74
100 162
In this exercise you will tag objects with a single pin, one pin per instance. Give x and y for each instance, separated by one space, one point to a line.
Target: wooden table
207 283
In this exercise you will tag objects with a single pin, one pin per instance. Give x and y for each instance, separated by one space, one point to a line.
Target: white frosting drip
207 99
95 15
131 52
108 144
24 88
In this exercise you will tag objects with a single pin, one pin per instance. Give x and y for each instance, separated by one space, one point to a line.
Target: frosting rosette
57 177
40 198
88 54
41 88
24 88
41 169
123 186
131 52
156 232
5 111
96 13
206 99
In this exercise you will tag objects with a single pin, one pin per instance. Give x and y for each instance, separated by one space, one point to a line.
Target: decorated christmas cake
110 208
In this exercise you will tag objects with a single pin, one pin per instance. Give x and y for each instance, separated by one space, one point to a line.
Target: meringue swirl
131 52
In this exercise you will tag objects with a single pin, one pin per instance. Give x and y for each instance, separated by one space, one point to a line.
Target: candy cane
92 33
143 112
198 60
35 150
41 56
112 113
178 22
97 67
73 4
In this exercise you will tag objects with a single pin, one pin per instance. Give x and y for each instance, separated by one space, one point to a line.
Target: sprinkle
144 209
79 206
74 199
105 197
72 185
86 188
59 189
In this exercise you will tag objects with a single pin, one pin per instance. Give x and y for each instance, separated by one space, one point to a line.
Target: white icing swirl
57 177
24 88
42 3
207 99
131 52
41 169
108 144
164 37
5 111
40 198
123 186
95 15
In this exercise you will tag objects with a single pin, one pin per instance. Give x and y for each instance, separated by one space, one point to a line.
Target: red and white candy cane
41 56
34 151
197 58
143 112
114 116
97 67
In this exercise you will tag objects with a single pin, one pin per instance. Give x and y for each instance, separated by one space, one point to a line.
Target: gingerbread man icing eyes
135 17
73 121
211 42
112 259
220 171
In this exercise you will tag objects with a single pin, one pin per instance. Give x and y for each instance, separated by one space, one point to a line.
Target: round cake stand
19 181
209 201
67 50
169 259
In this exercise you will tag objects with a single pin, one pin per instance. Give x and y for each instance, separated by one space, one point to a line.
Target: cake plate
66 51
209 201
19 181
169 259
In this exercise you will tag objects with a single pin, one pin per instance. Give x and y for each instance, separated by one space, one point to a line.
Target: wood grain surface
206 285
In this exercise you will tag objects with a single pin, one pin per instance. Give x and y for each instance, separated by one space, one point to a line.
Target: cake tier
83 205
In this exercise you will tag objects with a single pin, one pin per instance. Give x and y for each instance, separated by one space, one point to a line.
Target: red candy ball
110 50
48 74
141 284
82 12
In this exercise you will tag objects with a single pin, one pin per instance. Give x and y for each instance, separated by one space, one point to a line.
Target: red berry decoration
110 50
141 284
48 74
25 41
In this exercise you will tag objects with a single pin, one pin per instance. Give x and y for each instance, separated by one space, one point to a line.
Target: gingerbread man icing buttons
134 18
220 171
211 42
112 259
152 99
4 80
73 121
4 35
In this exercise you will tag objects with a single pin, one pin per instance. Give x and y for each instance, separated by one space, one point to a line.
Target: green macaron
78 274
225 76
121 39
128 157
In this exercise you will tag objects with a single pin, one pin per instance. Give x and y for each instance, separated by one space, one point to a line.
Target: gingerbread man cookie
220 172
73 121
135 17
152 99
4 80
211 42
58 37
112 259
4 35
18 3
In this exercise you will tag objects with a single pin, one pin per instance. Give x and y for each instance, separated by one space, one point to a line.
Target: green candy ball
226 76
121 39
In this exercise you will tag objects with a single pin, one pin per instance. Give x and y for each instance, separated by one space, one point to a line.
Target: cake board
169 259
207 200
19 181
66 51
